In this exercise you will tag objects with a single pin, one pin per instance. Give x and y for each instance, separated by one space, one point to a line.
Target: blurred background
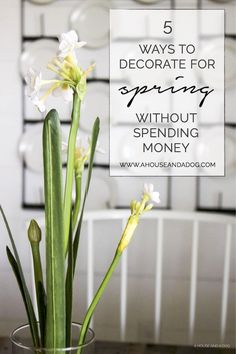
176 285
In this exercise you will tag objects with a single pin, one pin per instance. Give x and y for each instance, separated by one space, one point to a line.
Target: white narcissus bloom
67 43
65 92
70 78
153 195
33 80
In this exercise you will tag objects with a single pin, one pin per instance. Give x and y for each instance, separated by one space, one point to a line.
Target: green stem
69 288
70 167
78 180
96 299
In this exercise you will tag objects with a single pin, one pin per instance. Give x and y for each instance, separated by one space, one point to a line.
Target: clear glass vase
22 342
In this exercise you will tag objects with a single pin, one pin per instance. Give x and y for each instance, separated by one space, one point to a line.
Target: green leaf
29 307
95 132
55 272
25 297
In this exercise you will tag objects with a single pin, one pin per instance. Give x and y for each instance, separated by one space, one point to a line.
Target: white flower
67 43
66 93
33 80
149 190
39 104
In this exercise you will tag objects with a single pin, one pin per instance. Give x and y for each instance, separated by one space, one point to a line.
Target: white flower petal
39 104
155 197
57 92
145 189
67 39
80 44
148 188
33 80
66 94
68 42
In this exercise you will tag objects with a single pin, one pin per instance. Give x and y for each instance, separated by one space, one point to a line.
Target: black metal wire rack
26 121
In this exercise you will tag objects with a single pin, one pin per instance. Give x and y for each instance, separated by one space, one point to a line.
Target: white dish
210 146
221 1
96 104
148 1
34 190
103 141
41 2
91 21
30 148
212 77
230 57
230 150
37 55
102 191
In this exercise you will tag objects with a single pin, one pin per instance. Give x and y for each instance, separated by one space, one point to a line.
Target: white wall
10 166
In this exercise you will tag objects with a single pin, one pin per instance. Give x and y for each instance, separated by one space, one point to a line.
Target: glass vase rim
66 349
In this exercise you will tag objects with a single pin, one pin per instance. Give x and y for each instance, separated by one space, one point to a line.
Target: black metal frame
35 206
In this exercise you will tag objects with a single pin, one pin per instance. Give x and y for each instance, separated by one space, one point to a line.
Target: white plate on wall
31 148
149 2
103 141
34 188
41 2
208 149
102 191
91 21
96 104
99 56
37 55
221 1
211 77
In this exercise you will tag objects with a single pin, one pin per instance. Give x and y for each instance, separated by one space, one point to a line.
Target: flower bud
128 233
34 232
149 207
